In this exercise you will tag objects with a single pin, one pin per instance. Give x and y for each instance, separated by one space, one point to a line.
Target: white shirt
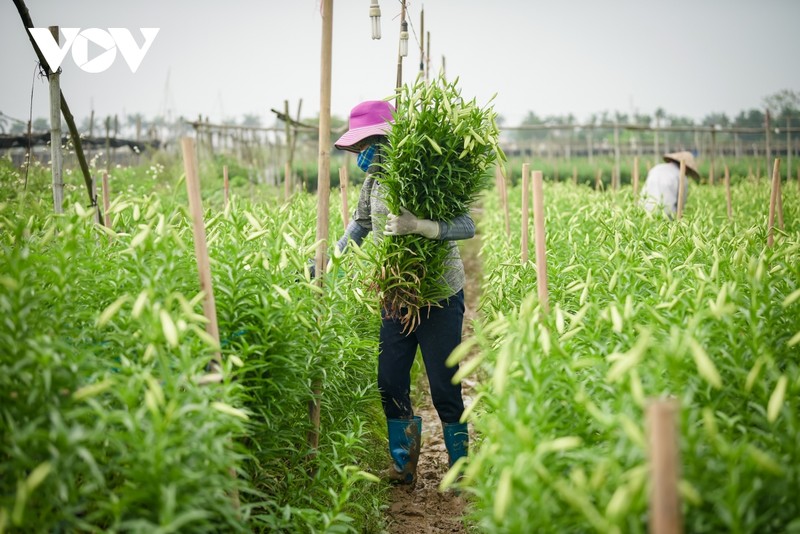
661 188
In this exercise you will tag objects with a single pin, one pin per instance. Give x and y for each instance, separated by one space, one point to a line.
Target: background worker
661 185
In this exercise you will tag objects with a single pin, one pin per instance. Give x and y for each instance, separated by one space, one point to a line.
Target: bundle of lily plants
439 150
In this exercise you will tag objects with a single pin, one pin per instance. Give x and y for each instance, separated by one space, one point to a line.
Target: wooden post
399 57
56 157
108 144
788 152
616 178
767 148
200 245
343 183
106 201
681 189
773 200
665 504
779 206
728 192
504 199
427 56
713 156
422 41
541 249
526 174
635 178
598 182
225 186
287 178
323 192
574 175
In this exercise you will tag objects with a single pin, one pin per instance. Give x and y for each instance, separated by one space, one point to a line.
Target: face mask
365 157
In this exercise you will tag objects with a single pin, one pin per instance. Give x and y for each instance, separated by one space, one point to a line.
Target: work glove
408 223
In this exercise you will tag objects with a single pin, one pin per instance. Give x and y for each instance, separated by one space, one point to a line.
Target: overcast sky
227 58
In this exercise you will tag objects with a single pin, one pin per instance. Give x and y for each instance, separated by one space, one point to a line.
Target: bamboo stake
728 192
541 249
773 200
665 505
503 191
323 193
106 201
574 175
287 178
56 157
681 189
526 173
201 247
204 270
779 206
598 183
226 186
343 183
635 178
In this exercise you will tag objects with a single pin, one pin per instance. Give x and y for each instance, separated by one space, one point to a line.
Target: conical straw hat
687 158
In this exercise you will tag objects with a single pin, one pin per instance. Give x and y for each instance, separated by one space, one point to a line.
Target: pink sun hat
373 117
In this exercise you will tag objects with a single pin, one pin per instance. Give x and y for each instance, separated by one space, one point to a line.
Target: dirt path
423 509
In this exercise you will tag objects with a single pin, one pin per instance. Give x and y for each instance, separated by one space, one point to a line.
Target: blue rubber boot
456 439
405 438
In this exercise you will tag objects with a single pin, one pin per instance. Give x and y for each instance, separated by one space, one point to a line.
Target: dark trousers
437 335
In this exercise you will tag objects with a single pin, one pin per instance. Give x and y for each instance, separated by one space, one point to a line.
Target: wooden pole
779 206
728 192
323 191
598 182
200 245
225 186
204 269
427 56
767 148
504 200
106 201
773 201
400 57
108 144
665 504
574 175
615 181
343 183
56 158
68 118
541 249
713 156
526 175
788 152
681 188
422 41
635 178
287 178
287 181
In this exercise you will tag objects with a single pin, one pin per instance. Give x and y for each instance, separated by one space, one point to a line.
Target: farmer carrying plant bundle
438 330
661 185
